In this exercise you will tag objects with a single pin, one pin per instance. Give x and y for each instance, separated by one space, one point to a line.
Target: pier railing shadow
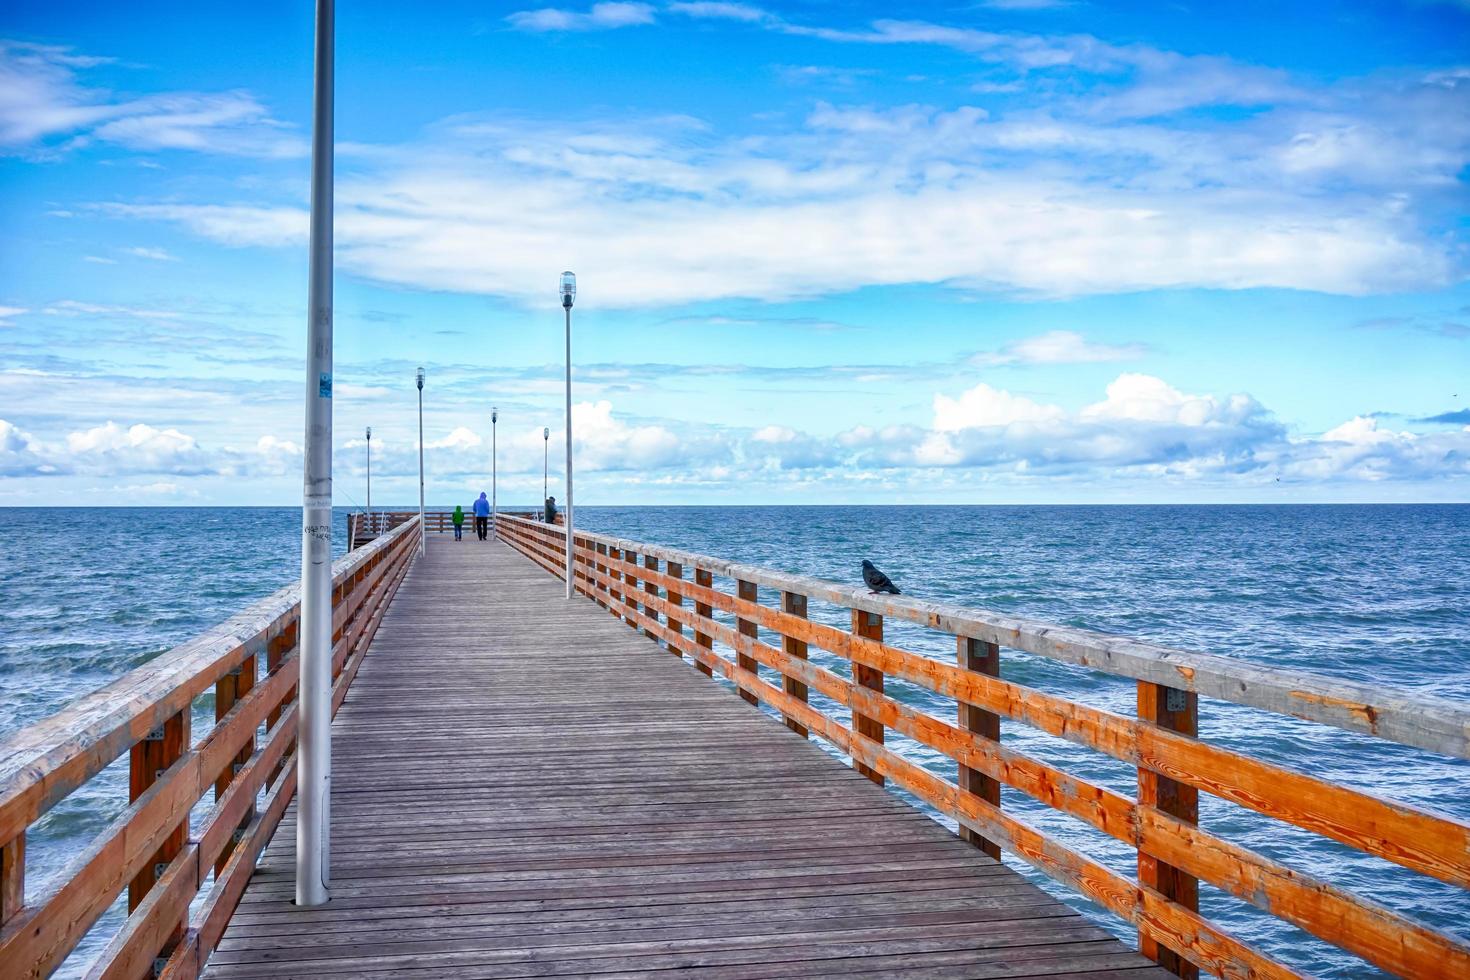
670 595
247 757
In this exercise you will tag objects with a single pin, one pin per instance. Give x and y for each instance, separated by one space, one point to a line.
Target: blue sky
990 252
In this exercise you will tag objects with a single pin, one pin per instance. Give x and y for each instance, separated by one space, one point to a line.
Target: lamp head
494 415
419 378
568 289
370 433
545 433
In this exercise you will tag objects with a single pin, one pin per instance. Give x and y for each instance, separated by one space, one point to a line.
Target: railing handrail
149 848
127 708
731 633
1420 721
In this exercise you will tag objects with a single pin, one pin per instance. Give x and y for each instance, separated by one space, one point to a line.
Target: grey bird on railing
877 581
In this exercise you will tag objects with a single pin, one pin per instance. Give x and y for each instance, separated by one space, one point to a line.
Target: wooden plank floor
524 787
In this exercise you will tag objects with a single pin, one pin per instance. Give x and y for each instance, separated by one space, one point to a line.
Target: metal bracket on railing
154 735
160 963
238 835
1175 699
159 869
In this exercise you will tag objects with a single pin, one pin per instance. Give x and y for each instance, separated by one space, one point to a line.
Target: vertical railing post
747 592
650 563
869 625
630 558
1177 711
275 651
705 580
228 690
149 759
674 570
794 604
602 599
983 658
614 595
12 877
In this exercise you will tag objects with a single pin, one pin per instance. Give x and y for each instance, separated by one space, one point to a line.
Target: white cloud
7 312
139 448
984 406
76 308
601 16
1044 202
1058 347
45 108
1142 398
20 453
604 442
460 438
714 10
156 254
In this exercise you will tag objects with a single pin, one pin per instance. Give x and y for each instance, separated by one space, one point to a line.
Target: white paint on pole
314 766
423 532
568 293
494 457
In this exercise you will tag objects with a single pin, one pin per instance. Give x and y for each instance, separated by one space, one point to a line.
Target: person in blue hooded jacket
482 517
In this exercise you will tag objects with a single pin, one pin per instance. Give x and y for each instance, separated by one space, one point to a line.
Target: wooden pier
521 787
529 786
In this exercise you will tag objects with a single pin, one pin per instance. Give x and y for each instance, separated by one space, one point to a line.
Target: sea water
1374 594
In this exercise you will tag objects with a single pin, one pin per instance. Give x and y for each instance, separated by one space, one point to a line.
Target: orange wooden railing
670 596
364 527
249 663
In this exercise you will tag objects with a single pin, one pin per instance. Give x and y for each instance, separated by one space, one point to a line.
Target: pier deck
525 787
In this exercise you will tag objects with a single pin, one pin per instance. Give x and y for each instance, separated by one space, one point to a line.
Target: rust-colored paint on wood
1177 800
12 878
675 571
745 627
704 580
601 566
228 690
984 657
1162 921
869 626
630 594
794 604
150 759
650 586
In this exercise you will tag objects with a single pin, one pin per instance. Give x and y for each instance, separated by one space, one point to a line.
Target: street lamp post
423 535
371 528
568 294
314 721
545 463
494 464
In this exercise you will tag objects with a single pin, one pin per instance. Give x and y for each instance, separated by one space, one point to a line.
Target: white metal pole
570 552
314 727
494 418
545 464
423 534
371 529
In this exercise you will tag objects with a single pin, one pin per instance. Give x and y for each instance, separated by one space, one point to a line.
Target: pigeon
877 581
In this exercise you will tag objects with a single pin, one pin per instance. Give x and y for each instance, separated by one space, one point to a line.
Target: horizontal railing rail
249 663
670 595
364 527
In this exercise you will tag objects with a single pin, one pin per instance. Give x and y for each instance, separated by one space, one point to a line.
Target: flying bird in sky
877 581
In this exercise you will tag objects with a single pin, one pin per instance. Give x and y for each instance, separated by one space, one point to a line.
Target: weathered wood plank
541 804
